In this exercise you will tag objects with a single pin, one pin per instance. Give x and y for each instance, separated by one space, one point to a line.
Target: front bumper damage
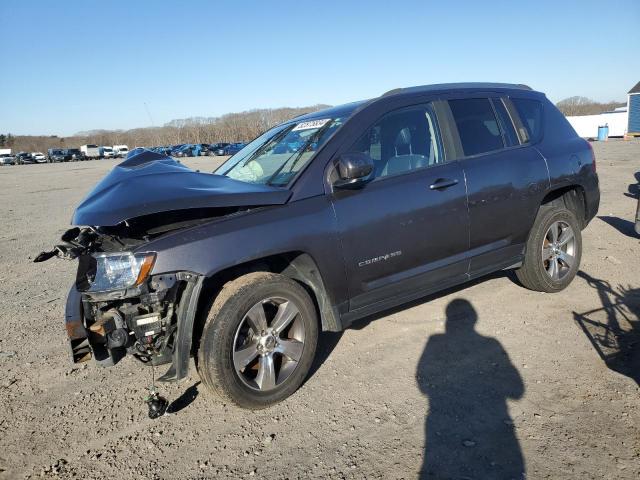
145 198
153 322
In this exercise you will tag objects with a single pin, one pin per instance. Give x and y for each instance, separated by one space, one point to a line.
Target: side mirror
354 170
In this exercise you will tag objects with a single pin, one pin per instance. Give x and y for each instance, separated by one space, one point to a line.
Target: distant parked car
173 149
106 152
231 149
57 155
75 154
203 149
39 157
214 147
120 150
7 159
90 151
23 158
180 152
190 150
163 150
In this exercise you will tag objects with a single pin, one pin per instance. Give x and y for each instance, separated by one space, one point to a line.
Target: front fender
304 226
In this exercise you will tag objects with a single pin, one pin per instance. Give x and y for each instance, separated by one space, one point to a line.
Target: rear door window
530 112
506 125
477 125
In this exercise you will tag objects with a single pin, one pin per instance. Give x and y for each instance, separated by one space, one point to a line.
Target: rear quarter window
531 114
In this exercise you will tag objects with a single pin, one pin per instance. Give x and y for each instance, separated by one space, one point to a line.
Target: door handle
443 183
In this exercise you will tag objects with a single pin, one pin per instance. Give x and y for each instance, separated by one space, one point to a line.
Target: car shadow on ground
364 322
467 378
328 341
625 227
614 329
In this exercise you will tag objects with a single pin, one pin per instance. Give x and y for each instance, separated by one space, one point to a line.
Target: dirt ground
485 381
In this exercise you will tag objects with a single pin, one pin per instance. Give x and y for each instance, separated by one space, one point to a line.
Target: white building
586 126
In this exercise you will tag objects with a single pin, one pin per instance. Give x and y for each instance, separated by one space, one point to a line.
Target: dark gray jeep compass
322 220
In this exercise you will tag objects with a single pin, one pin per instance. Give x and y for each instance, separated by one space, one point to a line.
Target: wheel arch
297 265
572 197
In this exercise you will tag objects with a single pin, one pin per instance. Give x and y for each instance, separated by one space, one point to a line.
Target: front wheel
554 250
259 340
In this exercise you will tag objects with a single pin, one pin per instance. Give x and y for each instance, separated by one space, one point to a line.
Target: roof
348 109
635 89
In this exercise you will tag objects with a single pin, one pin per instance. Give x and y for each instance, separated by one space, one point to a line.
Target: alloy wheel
268 343
558 250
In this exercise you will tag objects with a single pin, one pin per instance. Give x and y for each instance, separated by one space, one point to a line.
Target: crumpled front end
152 321
119 304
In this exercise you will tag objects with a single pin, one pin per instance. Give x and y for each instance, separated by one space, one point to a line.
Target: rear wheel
554 250
259 340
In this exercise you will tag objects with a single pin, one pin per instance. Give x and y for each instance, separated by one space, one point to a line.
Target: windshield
276 156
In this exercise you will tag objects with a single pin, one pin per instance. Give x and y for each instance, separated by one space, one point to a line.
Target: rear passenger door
505 178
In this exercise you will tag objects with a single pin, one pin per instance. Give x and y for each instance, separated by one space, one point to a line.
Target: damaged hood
149 182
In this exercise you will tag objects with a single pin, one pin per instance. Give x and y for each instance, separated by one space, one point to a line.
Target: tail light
593 157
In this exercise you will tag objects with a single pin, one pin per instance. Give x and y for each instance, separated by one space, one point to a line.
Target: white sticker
311 124
147 320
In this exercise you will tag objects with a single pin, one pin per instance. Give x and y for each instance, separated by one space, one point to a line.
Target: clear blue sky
79 65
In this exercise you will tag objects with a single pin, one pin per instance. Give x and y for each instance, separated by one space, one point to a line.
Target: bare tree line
577 106
232 127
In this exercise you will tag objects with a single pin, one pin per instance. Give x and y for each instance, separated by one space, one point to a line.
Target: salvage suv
378 203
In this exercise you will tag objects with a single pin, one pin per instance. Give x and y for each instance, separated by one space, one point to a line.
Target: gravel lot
543 384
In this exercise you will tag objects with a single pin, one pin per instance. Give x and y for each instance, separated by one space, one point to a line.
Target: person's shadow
468 379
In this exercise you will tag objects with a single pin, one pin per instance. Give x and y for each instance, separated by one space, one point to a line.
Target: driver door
406 231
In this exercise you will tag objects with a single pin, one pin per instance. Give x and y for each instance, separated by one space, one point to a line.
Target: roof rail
442 86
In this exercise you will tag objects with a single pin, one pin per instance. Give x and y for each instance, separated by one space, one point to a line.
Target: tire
553 251
231 338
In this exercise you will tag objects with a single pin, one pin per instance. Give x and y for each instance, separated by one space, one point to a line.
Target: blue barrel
603 133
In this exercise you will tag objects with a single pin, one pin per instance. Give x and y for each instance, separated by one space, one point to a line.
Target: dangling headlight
117 271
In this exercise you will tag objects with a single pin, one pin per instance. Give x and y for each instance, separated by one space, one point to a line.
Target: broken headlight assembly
105 272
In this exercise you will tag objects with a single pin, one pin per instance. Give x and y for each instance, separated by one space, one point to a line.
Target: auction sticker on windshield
311 124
